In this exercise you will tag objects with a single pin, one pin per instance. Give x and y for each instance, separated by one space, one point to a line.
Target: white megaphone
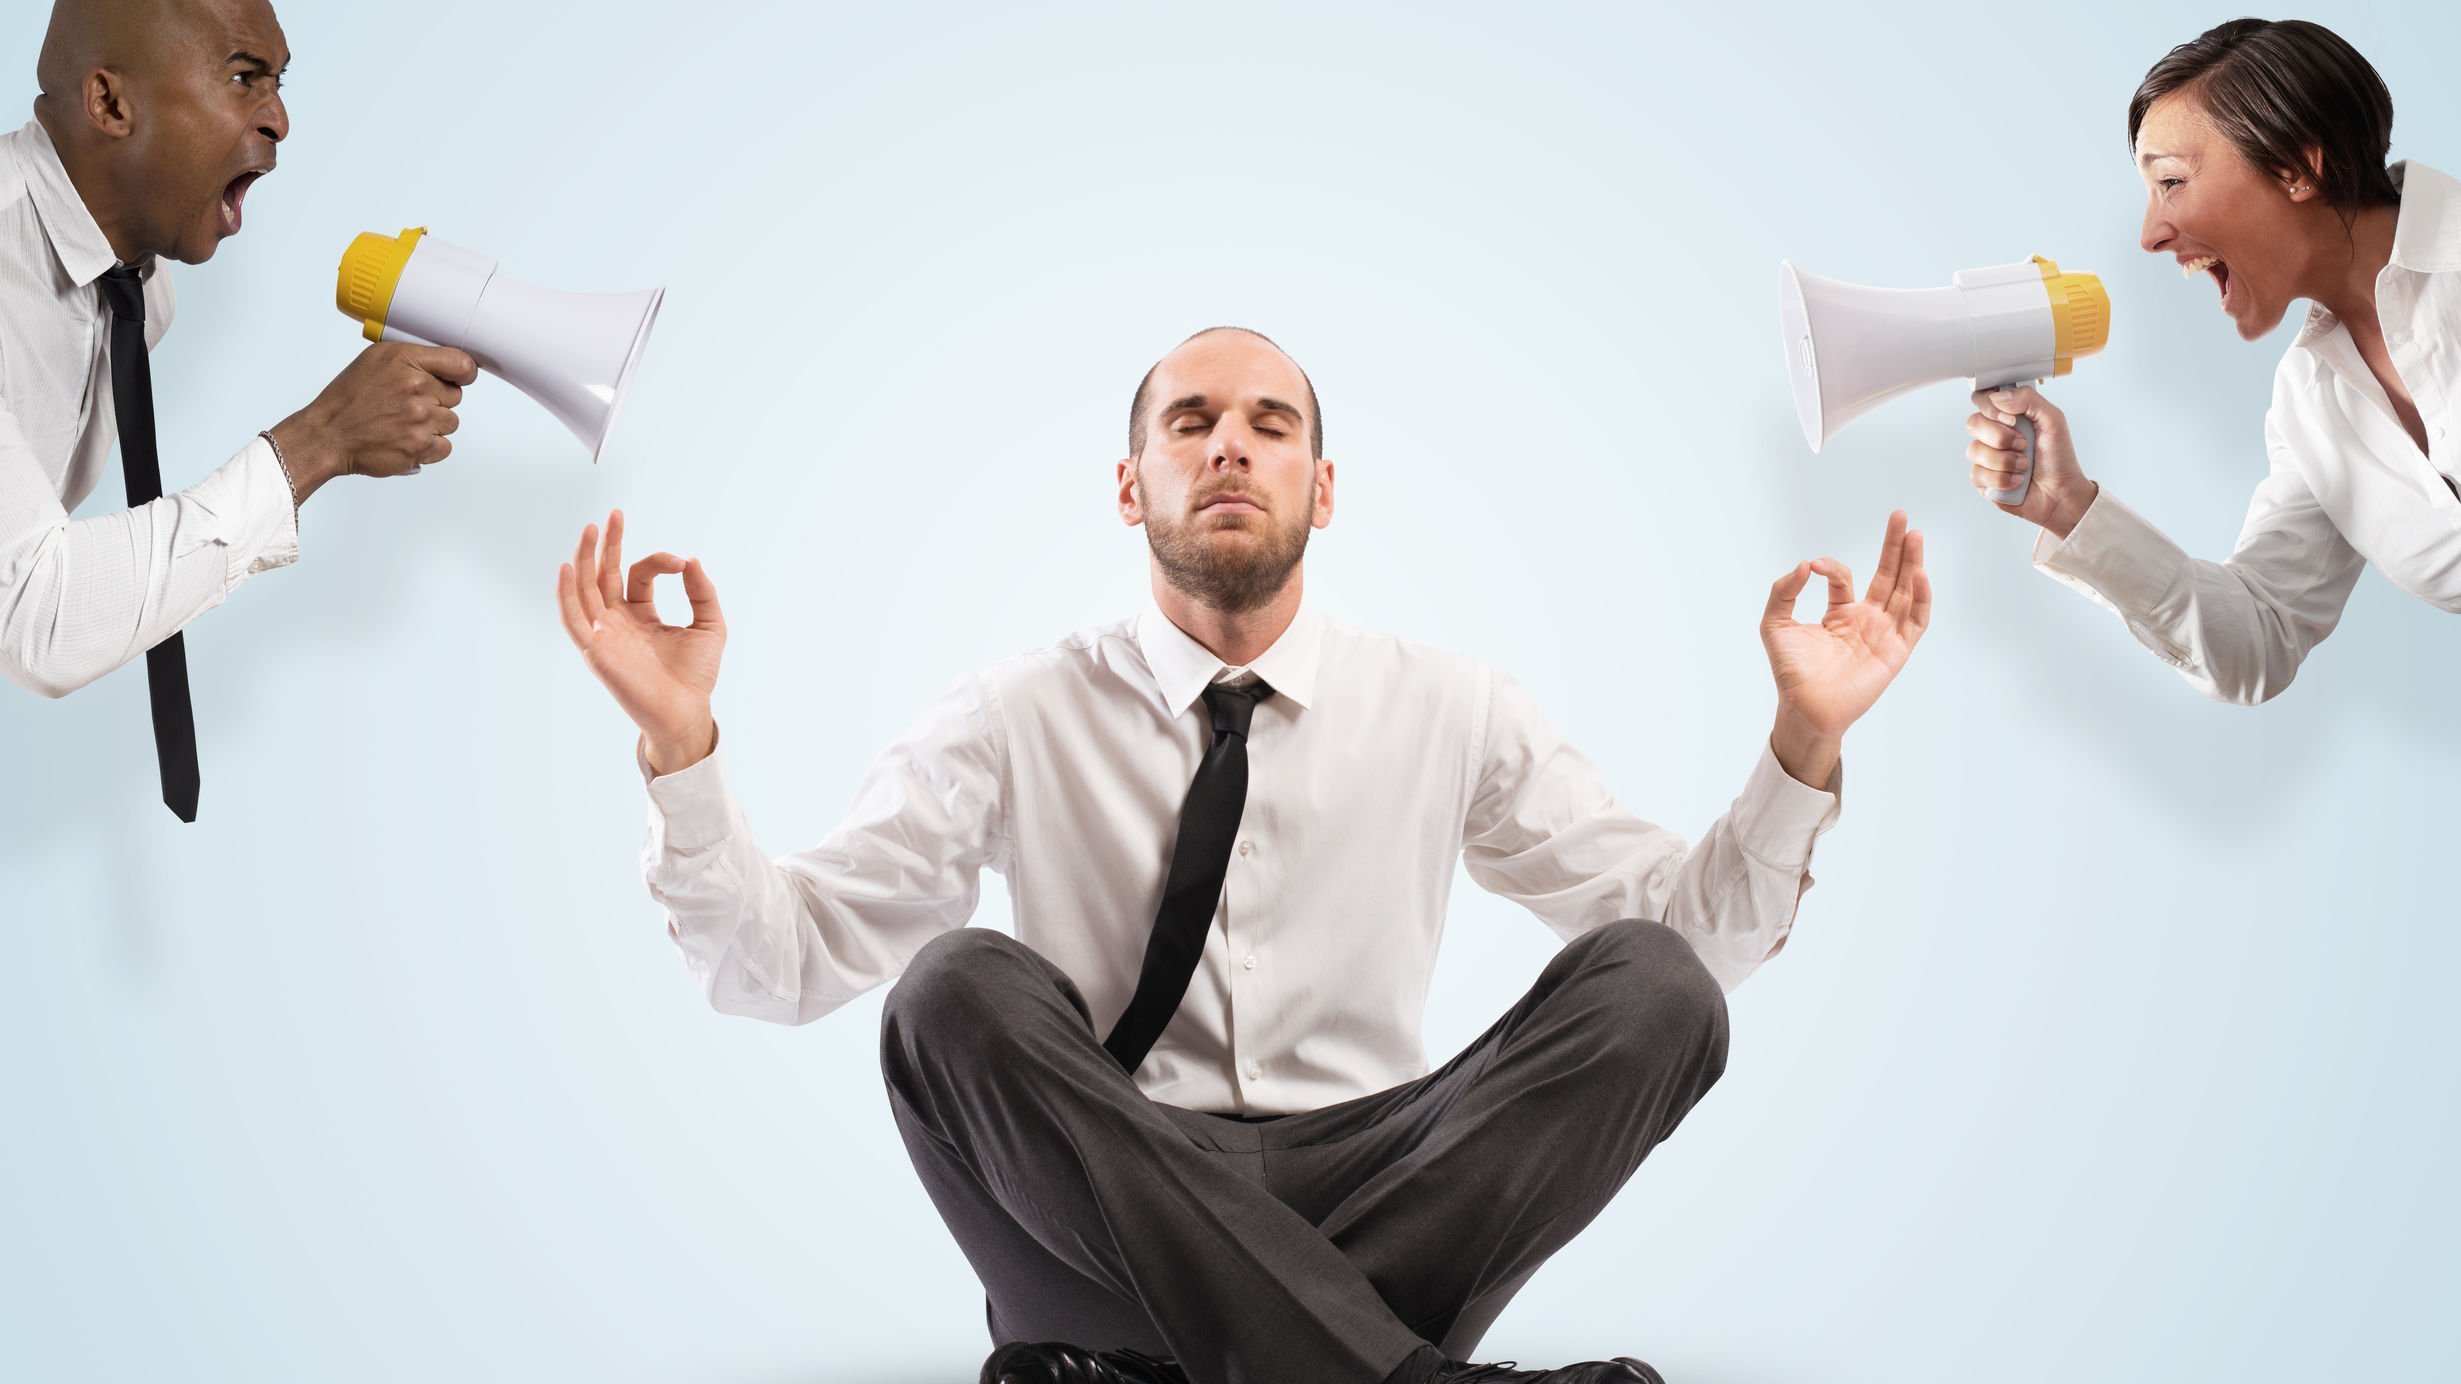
572 352
1849 347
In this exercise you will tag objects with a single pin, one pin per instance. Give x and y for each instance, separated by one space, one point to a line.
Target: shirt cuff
255 518
692 807
1779 816
2116 558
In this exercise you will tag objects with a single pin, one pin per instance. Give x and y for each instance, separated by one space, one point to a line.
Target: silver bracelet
287 478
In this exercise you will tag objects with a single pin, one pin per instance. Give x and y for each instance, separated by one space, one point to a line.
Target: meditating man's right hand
661 674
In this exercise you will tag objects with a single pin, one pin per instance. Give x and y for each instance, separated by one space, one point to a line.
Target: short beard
1233 582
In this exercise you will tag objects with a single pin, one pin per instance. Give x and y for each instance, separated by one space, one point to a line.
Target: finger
447 363
1989 479
1841 581
449 395
640 584
568 605
1919 615
1901 600
1892 549
2008 402
444 422
1990 432
1998 458
436 451
611 560
1782 595
703 593
585 573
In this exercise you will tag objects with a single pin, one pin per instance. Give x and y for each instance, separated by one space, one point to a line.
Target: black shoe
1623 1369
1050 1362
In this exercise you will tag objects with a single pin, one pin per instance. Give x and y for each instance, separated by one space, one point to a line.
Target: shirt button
1250 962
1247 848
1255 1070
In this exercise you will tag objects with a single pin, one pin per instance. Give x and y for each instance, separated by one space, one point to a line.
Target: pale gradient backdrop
2114 1043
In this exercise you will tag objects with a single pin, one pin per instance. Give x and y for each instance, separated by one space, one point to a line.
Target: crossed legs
1331 1245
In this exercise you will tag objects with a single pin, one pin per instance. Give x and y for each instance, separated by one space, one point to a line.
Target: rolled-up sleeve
1544 830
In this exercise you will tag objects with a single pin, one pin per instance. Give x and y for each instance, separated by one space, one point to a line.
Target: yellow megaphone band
2080 315
371 268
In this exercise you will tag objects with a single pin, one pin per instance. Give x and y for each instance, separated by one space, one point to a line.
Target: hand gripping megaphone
572 352
1848 348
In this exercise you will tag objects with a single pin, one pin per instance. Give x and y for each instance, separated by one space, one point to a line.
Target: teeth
2199 265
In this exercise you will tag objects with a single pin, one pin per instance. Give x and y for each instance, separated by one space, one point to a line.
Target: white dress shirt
2347 487
79 598
1374 766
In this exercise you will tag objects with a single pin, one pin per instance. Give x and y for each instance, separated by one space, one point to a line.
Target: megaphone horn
1850 348
572 352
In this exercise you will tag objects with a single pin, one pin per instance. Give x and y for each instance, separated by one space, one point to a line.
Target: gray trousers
1327 1246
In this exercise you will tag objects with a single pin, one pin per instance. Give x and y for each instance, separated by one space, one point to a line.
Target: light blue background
2114 1042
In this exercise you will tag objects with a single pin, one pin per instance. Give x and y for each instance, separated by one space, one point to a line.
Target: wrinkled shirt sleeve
792 938
1544 830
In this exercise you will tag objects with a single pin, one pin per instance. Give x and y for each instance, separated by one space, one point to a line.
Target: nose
2156 232
277 120
1230 444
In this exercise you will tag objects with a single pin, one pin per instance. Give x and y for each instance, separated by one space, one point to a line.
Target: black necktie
1199 859
166 664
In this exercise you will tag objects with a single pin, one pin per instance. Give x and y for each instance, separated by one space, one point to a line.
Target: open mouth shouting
234 194
2213 264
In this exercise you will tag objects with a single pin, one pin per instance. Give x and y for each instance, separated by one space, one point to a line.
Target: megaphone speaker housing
574 353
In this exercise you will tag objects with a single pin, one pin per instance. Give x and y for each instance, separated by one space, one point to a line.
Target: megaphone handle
2015 494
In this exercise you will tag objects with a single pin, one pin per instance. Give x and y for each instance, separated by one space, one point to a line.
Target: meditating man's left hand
1830 673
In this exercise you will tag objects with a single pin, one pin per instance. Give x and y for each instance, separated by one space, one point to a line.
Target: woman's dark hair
2279 88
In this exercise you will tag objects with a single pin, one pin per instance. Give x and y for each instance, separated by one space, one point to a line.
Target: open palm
1830 673
660 674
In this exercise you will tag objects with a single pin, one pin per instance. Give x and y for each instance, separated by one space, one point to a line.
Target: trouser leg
1038 1149
1448 1193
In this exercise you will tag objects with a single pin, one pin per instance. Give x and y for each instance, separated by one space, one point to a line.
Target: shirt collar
2426 238
76 237
2427 235
1182 667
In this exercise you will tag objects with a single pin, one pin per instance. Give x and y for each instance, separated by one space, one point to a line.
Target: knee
1653 986
952 990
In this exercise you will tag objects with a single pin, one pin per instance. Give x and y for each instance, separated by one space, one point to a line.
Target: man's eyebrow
243 56
1263 405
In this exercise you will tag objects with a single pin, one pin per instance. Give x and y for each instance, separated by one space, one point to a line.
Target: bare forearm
674 753
2068 507
1807 755
309 454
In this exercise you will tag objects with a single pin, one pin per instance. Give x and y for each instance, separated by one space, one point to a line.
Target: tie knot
1232 706
124 292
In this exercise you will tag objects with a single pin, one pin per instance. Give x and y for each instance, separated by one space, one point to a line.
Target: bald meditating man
154 119
1182 1123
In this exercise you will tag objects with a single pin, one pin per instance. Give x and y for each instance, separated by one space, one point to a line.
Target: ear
1131 511
2302 185
1322 517
106 105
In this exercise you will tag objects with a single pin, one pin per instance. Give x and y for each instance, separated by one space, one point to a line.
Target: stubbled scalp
127 35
